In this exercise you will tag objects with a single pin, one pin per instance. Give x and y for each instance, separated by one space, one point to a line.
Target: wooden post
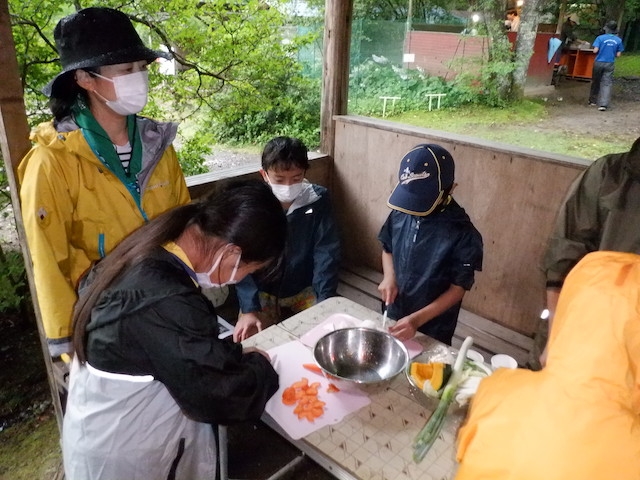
335 68
14 140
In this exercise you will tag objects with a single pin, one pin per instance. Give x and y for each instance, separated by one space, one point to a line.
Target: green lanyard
103 148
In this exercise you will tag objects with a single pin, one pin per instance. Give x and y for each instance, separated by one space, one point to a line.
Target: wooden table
374 442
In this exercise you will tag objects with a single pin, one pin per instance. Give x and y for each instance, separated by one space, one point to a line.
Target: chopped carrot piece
312 367
305 398
289 396
332 388
302 383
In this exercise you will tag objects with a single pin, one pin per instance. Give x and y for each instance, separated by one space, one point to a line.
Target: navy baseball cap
426 173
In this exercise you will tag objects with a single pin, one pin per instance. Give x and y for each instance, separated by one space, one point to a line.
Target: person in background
579 417
98 170
607 48
310 268
567 31
430 247
149 374
601 211
513 20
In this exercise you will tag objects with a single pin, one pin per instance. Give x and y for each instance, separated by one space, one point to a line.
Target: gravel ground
8 234
223 159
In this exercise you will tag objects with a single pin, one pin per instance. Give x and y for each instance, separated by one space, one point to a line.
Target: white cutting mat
288 360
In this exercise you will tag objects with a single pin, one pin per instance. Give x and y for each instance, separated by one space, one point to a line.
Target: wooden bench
360 284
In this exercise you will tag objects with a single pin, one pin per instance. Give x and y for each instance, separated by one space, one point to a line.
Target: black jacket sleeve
211 379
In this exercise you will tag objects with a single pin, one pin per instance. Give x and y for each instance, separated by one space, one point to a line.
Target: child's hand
248 324
388 290
403 329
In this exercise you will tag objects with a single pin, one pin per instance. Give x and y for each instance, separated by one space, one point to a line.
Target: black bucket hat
97 36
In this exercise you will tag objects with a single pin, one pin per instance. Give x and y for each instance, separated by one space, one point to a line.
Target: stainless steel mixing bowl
360 355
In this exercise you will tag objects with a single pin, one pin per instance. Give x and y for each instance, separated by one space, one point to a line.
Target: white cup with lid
503 361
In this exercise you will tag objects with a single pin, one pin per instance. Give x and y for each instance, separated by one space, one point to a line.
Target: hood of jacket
65 134
594 345
579 417
310 193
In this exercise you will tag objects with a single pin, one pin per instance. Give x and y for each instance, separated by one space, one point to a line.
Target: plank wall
511 194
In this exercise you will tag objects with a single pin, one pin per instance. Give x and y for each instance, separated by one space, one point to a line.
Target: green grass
523 124
628 65
30 450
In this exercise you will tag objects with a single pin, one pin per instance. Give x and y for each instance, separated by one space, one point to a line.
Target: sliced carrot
289 396
332 388
312 367
305 398
302 383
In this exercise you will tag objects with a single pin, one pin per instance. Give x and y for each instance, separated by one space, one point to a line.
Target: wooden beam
14 130
335 68
14 140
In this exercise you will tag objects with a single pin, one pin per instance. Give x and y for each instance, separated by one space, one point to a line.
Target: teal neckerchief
103 148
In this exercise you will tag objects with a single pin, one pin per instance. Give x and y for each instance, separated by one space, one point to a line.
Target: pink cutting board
288 360
342 320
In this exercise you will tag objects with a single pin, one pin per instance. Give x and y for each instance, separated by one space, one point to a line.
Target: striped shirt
124 152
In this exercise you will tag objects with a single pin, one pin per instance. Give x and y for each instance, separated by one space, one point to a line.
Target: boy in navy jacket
430 248
309 270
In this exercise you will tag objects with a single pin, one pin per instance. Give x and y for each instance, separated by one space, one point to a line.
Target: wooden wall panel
511 194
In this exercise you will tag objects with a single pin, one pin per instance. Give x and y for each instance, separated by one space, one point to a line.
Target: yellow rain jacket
579 417
75 210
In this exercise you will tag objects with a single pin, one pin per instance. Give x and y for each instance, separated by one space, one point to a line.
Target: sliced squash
430 377
421 372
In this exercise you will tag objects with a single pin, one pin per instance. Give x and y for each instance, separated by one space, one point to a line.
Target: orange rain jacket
579 417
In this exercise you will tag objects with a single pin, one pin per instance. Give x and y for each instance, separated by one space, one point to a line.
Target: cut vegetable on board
304 396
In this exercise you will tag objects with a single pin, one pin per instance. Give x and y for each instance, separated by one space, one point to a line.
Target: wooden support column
335 68
14 140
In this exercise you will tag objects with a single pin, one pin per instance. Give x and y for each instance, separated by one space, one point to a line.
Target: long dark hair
246 214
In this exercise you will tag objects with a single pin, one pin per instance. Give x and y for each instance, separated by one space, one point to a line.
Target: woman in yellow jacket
579 417
98 171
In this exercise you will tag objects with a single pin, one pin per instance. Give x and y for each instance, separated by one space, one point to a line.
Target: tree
524 45
231 59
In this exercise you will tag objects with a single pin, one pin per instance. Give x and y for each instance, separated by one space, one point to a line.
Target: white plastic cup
503 361
475 356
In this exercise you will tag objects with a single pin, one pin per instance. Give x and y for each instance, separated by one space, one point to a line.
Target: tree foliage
231 60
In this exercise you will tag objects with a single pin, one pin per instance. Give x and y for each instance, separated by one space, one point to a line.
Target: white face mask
286 193
131 92
204 279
